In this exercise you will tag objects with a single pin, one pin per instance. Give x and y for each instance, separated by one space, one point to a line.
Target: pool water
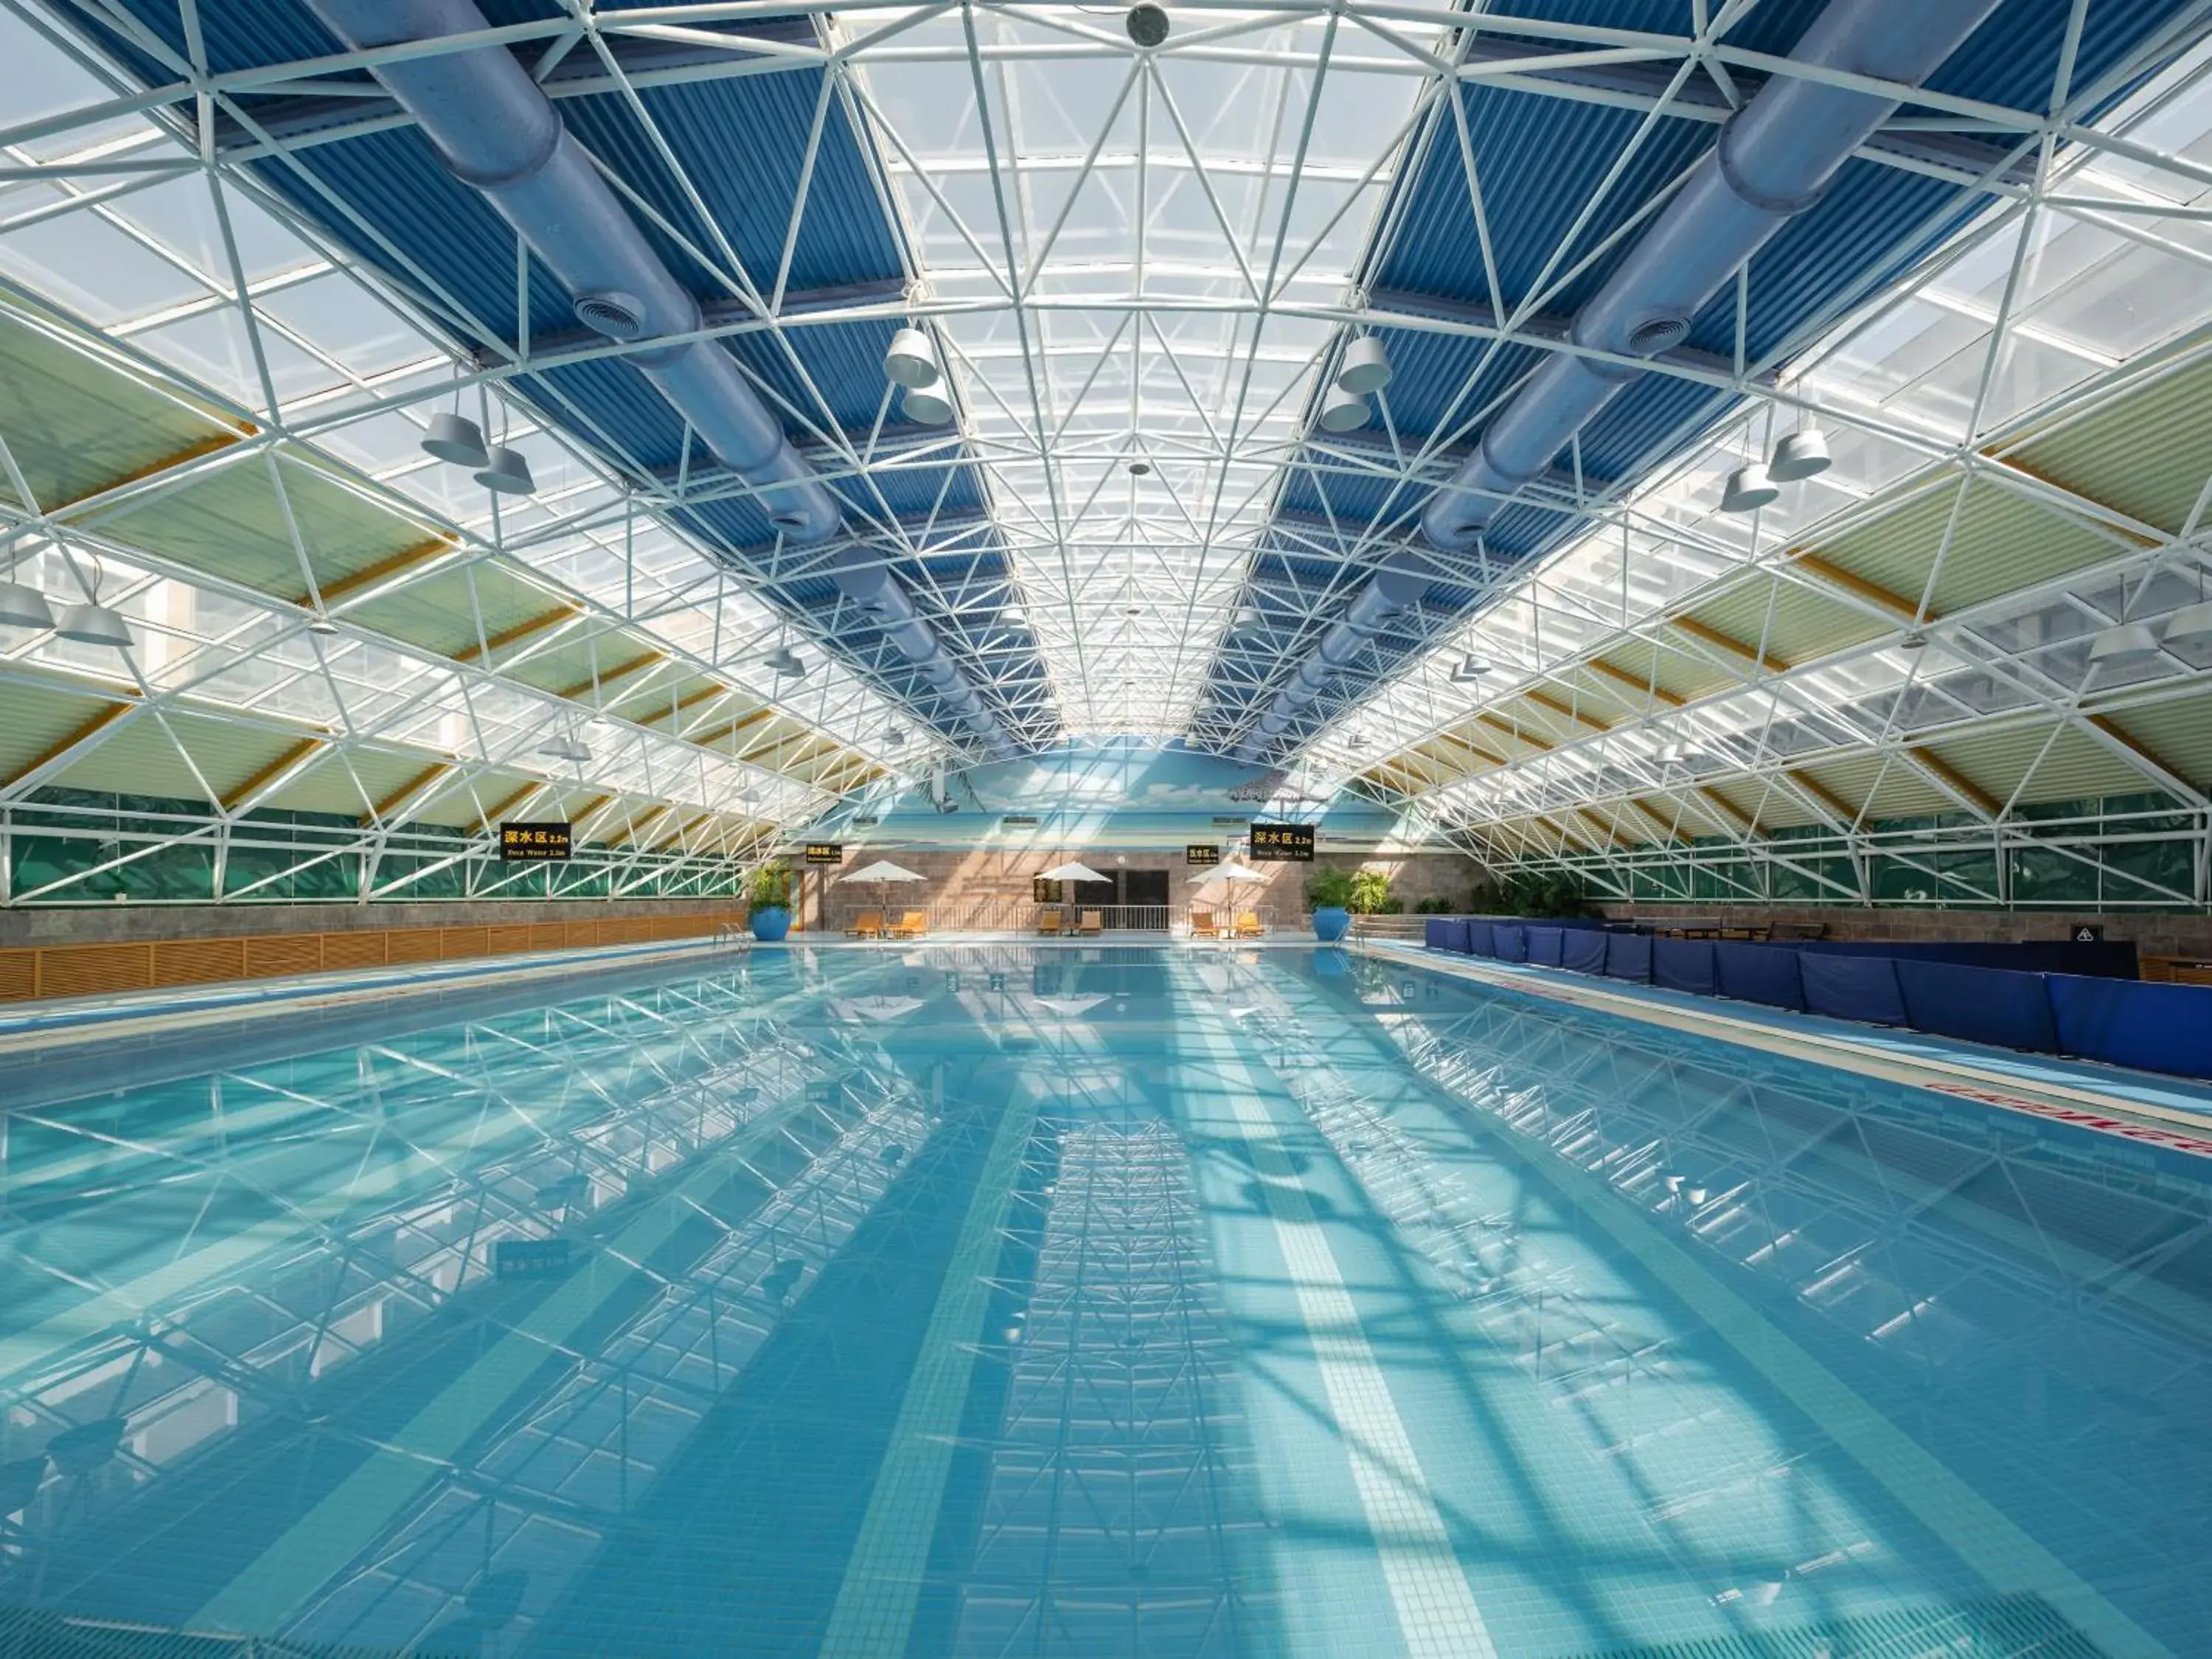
1087 1302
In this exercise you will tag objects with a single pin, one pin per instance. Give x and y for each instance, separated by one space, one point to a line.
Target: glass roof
1135 262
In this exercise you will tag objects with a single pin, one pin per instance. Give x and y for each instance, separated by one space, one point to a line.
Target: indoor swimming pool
1098 1301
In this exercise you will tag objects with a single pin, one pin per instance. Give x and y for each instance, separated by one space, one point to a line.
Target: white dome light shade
1471 667
927 407
1342 411
1365 367
566 749
2192 622
1749 488
1801 454
894 739
506 471
912 359
322 625
93 624
2123 641
24 607
787 663
1247 617
457 439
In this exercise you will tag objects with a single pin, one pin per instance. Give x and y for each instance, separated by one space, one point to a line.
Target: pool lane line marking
873 1616
274 1001
2058 1101
1438 1617
2006 1557
349 1517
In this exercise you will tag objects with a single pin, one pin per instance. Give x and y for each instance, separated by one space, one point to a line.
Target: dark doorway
1149 889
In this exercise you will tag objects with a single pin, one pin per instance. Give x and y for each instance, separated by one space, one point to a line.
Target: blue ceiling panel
1562 180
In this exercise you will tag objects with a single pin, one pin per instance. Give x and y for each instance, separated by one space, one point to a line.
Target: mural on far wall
1134 794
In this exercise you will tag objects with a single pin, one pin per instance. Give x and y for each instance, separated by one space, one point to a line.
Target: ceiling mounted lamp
1749 489
505 472
1801 454
928 408
894 739
1147 25
1471 667
1342 411
457 438
321 624
23 606
1012 617
785 663
2122 641
1915 641
93 623
2191 621
1365 367
912 359
564 748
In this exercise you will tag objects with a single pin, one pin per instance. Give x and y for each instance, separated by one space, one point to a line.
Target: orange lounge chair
869 924
1202 925
1048 924
1247 926
913 924
1089 922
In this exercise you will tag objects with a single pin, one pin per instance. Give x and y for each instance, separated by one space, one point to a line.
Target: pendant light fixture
912 359
1472 667
1342 410
1749 488
454 437
506 472
24 606
1365 367
2191 621
2123 642
93 623
785 664
929 408
1801 454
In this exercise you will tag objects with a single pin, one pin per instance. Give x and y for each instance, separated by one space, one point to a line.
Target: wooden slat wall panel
280 954
363 950
198 960
411 945
77 970
91 971
19 976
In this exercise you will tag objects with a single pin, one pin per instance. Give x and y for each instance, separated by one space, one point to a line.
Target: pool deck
2139 1106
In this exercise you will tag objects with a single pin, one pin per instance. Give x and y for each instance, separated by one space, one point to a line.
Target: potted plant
1329 893
768 898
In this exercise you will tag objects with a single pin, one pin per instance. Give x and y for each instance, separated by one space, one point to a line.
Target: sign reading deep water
825 852
1197 854
533 843
1282 843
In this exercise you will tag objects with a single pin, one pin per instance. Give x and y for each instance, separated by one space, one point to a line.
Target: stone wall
2155 934
955 882
122 924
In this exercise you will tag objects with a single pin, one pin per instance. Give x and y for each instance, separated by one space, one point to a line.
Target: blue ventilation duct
1775 158
494 130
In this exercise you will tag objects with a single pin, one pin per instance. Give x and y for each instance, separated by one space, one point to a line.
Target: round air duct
611 312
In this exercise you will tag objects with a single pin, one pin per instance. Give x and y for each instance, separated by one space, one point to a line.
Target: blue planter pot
1331 923
770 923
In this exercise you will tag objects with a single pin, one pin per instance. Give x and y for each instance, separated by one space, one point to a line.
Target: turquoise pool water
1086 1301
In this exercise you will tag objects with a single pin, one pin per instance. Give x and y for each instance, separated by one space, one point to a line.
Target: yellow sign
825 852
1198 854
534 843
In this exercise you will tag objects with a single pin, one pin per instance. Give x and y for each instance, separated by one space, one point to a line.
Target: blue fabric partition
2109 959
1628 956
1852 988
1447 933
1544 946
2157 1028
1982 1004
1432 933
1685 965
1759 973
1510 941
1479 940
1583 949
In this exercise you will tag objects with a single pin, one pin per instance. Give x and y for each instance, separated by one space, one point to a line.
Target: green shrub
1329 888
769 887
1433 907
1371 891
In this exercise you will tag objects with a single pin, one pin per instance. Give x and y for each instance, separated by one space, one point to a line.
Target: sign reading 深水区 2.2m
1282 843
534 843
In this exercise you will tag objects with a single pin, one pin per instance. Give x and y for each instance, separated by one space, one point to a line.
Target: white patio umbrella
1071 870
1227 873
882 871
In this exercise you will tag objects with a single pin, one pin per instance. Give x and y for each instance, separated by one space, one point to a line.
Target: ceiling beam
1705 633
493 643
